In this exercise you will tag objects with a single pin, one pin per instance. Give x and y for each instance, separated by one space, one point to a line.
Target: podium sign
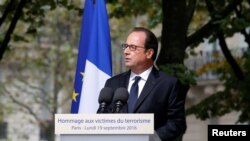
104 124
104 127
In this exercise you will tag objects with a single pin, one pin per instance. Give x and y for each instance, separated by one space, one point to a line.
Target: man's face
138 58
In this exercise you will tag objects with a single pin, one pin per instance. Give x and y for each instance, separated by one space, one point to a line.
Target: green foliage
155 20
42 47
185 75
1 112
230 26
133 8
33 16
19 38
235 97
210 107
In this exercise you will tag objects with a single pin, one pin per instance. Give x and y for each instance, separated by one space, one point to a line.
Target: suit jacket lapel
151 81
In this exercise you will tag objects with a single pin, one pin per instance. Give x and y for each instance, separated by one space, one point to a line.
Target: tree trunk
12 26
174 31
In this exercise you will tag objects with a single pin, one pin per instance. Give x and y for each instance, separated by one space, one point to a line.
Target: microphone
120 98
105 98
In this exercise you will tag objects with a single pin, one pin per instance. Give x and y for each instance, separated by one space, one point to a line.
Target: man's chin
127 65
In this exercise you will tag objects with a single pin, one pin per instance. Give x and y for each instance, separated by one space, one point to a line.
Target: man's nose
126 50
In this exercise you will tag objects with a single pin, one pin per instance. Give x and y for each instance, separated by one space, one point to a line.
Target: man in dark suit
156 92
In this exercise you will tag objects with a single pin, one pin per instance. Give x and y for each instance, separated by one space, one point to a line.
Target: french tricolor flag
94 65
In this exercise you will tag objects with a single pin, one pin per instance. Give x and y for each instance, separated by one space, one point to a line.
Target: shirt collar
144 75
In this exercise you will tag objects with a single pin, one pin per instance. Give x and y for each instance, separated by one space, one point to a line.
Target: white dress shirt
144 76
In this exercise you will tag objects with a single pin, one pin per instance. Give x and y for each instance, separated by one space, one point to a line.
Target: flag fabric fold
94 65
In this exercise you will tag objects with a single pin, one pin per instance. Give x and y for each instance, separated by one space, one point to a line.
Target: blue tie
133 94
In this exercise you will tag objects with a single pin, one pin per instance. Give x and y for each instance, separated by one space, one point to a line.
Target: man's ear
150 53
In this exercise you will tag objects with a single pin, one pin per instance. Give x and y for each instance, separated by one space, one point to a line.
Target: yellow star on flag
74 95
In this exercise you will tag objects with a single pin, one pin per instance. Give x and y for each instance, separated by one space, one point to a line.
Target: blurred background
205 43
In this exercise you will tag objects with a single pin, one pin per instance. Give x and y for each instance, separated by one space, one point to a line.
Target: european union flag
94 65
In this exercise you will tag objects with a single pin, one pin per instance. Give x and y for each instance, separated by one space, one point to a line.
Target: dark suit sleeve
112 83
175 126
107 83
